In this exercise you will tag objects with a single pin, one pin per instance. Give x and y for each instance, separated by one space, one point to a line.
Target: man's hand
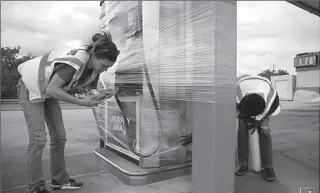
186 139
254 124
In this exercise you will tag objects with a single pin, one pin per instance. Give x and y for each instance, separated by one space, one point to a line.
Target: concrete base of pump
132 175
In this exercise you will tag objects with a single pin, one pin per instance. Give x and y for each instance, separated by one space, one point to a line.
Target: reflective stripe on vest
75 61
42 75
270 96
241 77
44 63
37 83
238 79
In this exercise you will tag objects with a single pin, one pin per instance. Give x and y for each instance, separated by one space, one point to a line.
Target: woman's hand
54 90
104 94
89 102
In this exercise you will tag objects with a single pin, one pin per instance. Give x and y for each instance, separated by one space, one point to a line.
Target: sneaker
40 190
241 170
269 175
72 185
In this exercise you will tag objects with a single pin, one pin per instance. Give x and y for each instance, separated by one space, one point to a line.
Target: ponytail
103 47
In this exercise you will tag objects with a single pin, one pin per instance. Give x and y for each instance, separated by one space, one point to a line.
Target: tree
9 73
268 73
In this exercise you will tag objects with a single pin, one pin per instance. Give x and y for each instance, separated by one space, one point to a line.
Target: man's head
252 105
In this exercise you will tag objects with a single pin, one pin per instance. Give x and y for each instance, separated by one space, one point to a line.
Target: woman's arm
54 89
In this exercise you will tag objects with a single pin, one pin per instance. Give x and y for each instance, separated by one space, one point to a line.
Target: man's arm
186 139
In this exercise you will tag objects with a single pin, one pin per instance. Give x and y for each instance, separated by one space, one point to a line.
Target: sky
273 32
267 33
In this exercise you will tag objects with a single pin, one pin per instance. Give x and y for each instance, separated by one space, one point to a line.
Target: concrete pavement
295 143
14 106
82 139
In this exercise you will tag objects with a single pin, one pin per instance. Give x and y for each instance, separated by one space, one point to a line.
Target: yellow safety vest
35 73
265 89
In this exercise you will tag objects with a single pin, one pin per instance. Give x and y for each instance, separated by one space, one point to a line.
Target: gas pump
165 68
140 123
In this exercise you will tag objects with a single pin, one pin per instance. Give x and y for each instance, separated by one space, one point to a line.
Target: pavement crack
299 162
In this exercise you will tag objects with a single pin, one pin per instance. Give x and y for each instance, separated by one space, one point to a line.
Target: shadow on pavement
253 183
14 174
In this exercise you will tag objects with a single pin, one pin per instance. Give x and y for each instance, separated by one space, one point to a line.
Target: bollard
254 146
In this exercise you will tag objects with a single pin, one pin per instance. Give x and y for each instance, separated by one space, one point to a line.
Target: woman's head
252 105
103 51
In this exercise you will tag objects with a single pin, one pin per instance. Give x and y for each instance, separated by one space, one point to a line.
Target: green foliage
268 73
9 73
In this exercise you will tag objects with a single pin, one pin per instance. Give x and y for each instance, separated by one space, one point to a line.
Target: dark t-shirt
66 72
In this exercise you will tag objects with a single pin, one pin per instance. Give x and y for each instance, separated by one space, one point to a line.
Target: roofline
306 7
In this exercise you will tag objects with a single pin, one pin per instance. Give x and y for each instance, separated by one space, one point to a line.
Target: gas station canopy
310 6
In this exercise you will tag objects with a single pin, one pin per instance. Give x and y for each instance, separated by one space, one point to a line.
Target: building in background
307 79
285 86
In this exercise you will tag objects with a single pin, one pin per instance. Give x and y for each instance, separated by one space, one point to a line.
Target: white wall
285 86
308 79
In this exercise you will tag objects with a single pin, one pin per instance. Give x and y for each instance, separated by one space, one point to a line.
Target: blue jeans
37 115
264 140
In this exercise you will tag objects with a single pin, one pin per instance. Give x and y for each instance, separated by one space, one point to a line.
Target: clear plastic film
134 127
166 61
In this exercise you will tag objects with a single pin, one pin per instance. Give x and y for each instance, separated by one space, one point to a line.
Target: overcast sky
268 32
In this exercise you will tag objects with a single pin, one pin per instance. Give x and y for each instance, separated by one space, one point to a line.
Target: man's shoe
241 170
268 174
71 185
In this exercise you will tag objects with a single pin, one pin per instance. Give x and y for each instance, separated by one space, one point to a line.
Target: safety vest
248 84
35 73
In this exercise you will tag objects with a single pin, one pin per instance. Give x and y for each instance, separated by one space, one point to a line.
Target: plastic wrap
166 61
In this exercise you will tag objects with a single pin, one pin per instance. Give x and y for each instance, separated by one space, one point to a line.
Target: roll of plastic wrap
255 150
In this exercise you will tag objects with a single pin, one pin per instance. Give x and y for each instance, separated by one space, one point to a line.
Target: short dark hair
103 47
252 105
